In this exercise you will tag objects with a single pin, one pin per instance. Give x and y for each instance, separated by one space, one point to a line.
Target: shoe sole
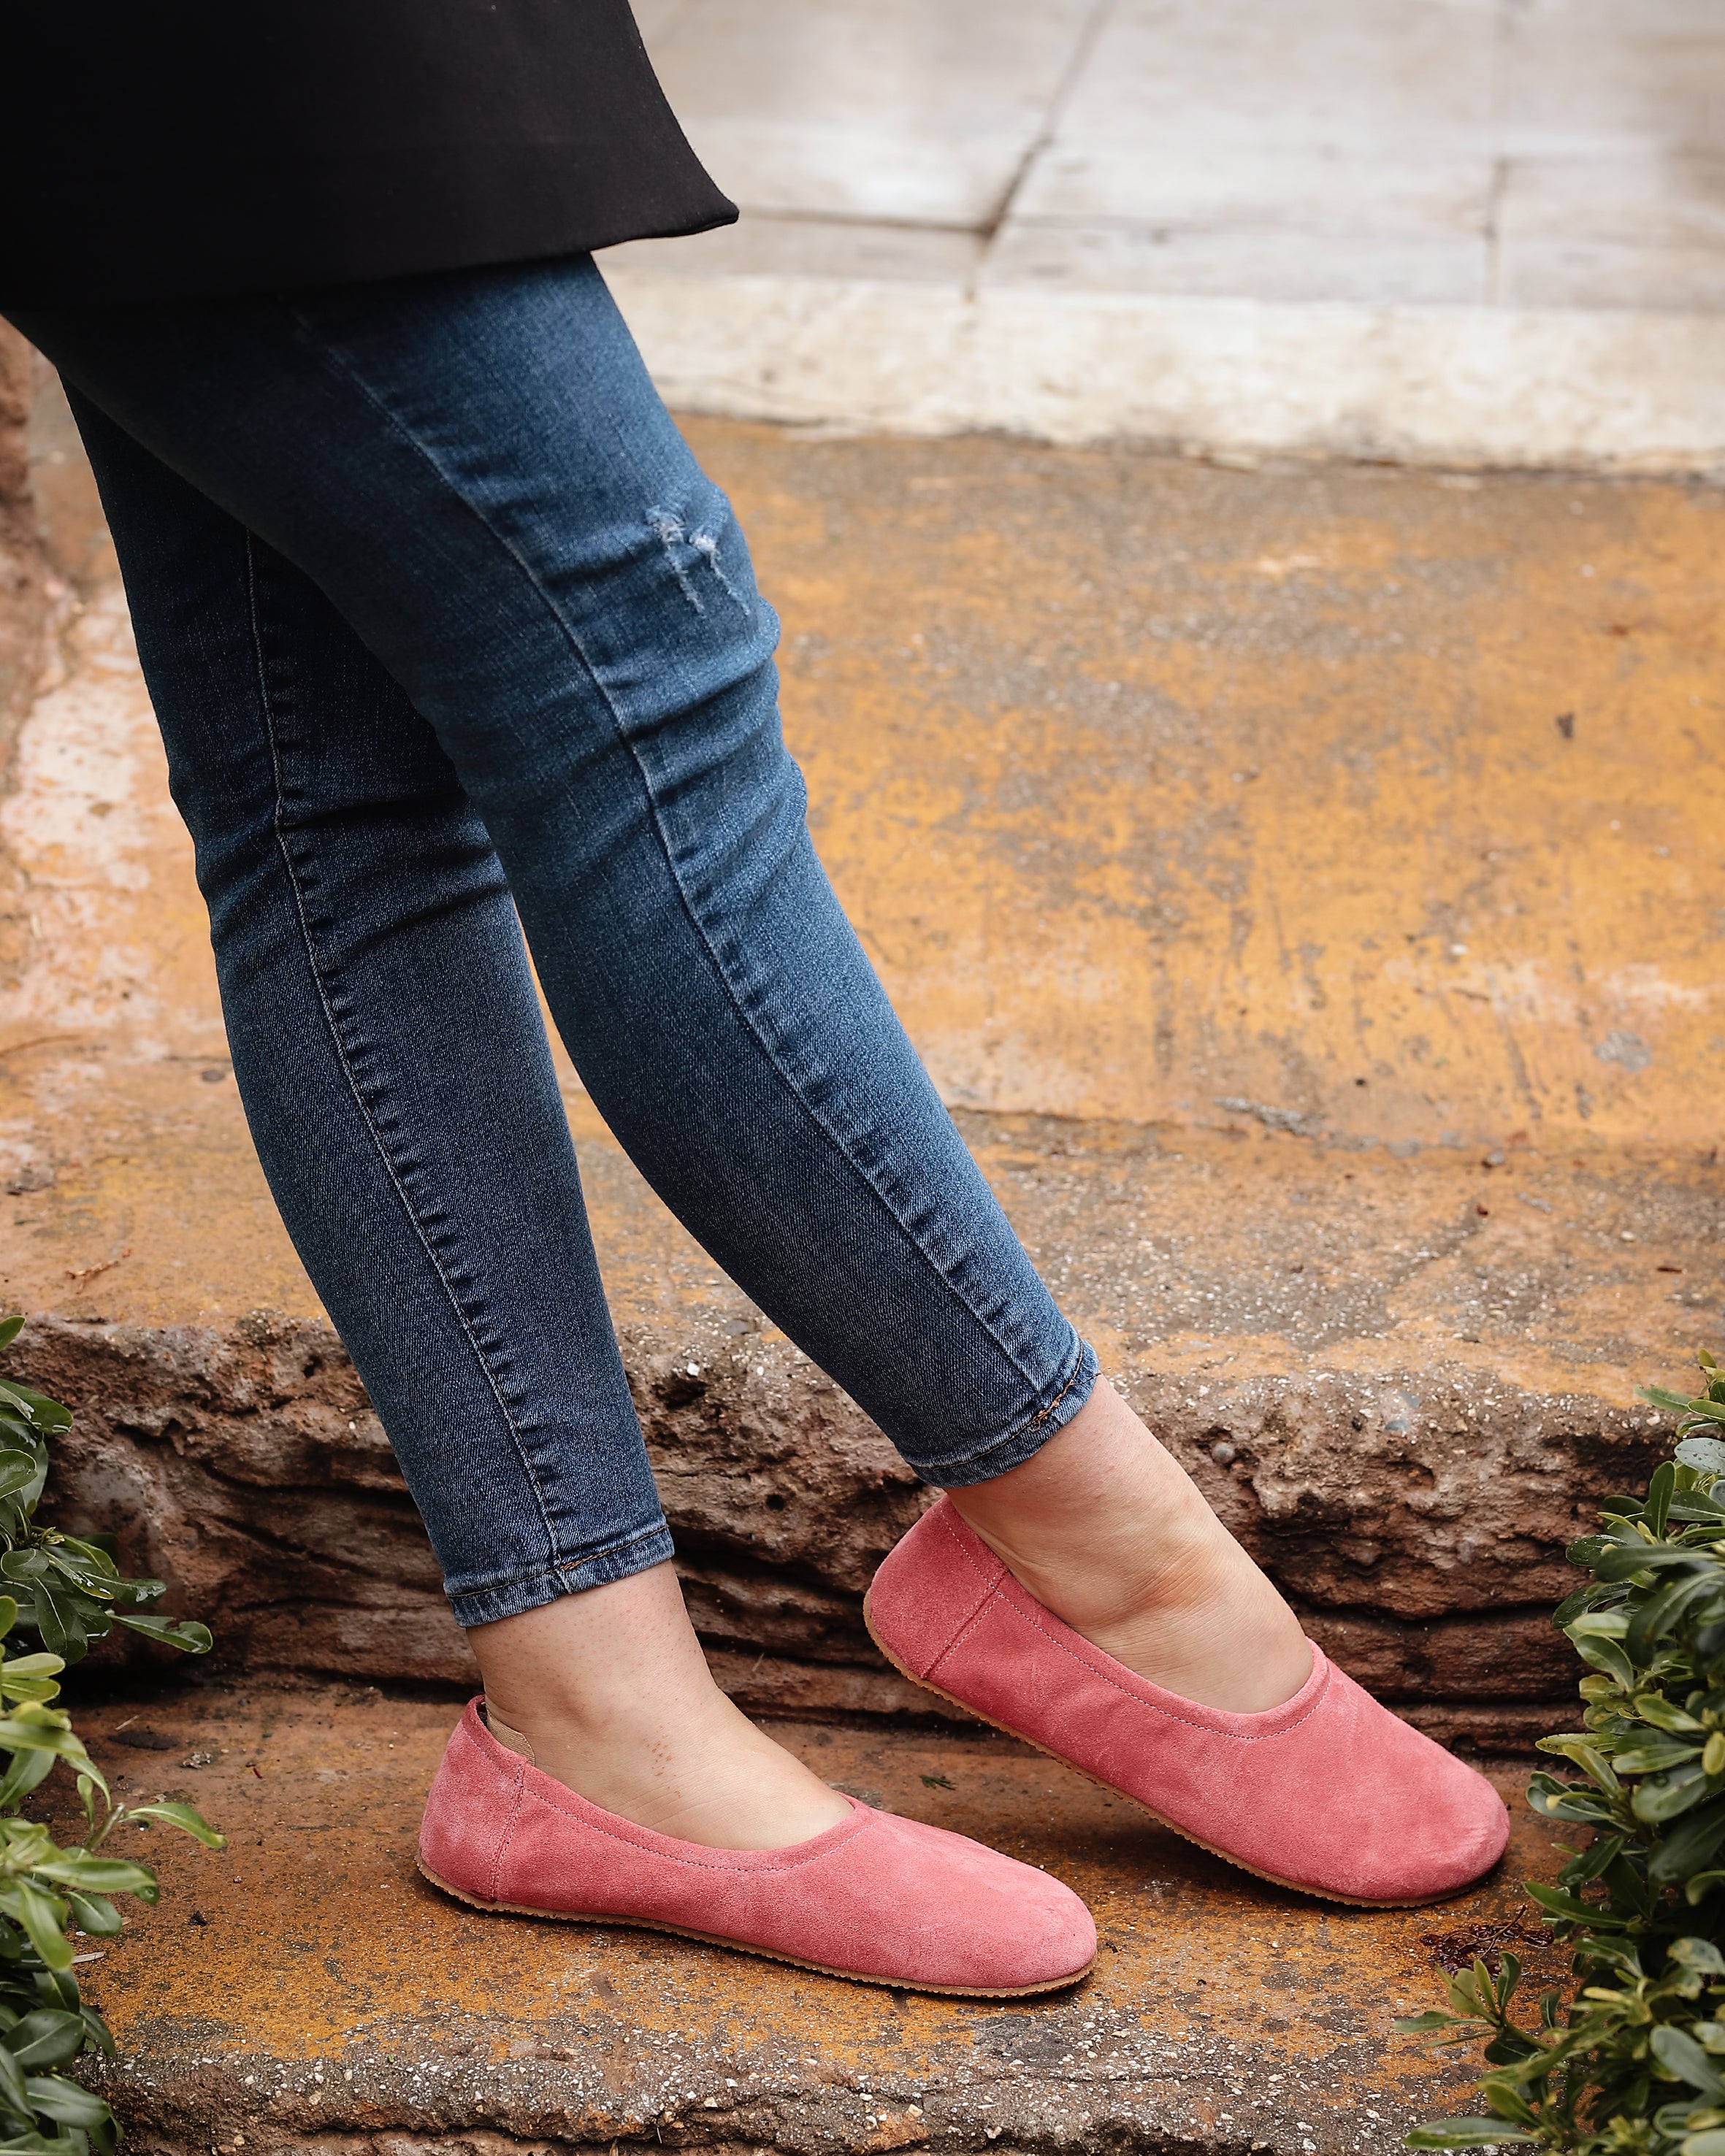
765 1953
1293 1885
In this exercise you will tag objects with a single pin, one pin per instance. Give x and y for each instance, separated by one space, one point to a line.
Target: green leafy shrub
70 1591
1630 2059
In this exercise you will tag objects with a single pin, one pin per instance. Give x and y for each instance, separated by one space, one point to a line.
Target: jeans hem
1028 1438
532 1590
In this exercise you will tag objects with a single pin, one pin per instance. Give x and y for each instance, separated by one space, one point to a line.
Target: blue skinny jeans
451 639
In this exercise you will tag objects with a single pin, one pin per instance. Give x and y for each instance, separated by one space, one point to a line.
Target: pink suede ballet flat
877 1899
1330 1792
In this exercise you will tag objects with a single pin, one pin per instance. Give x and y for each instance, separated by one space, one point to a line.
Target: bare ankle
1107 1530
1103 1508
608 1693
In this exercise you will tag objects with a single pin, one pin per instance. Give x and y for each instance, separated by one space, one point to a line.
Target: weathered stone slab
305 1991
1423 1543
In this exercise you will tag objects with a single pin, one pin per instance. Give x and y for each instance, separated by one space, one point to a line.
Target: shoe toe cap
1423 1823
981 1920
1464 1828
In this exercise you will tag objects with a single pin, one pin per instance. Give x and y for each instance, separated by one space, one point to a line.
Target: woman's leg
388 1046
476 472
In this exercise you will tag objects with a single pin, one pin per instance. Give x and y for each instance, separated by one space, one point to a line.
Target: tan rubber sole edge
742 1946
1318 1893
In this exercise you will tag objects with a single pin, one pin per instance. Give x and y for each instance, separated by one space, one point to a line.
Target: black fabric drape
153 148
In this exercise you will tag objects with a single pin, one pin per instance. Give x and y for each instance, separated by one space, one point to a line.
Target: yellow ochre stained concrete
1387 802
306 1983
1376 809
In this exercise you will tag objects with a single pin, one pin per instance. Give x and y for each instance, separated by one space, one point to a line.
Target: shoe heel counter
925 1593
469 1815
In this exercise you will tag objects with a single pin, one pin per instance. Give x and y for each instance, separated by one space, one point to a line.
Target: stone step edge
1422 1533
1509 388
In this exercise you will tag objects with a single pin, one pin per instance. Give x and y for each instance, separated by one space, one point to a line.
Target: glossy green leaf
1568 1801
57 1987
1656 1511
93 1875
1578 1604
184 1633
60 1621
182 1816
1656 1757
93 1914
63 2100
87 1554
1567 1908
1665 1714
1627 1560
32 1728
1587 1756
37 1409
39 1690
1682 2057
26 1770
1606 1655
96 2030
1593 1862
1666 1796
46 2038
1684 2115
30 1665
1688 1848
1506 2101
12 2095
1659 1616
41 1920
1703 1410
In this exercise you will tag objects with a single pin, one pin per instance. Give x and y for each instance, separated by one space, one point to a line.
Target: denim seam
489 1585
310 944
1030 1422
340 363
660 1527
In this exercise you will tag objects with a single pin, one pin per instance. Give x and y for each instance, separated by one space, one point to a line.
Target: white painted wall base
1495 387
